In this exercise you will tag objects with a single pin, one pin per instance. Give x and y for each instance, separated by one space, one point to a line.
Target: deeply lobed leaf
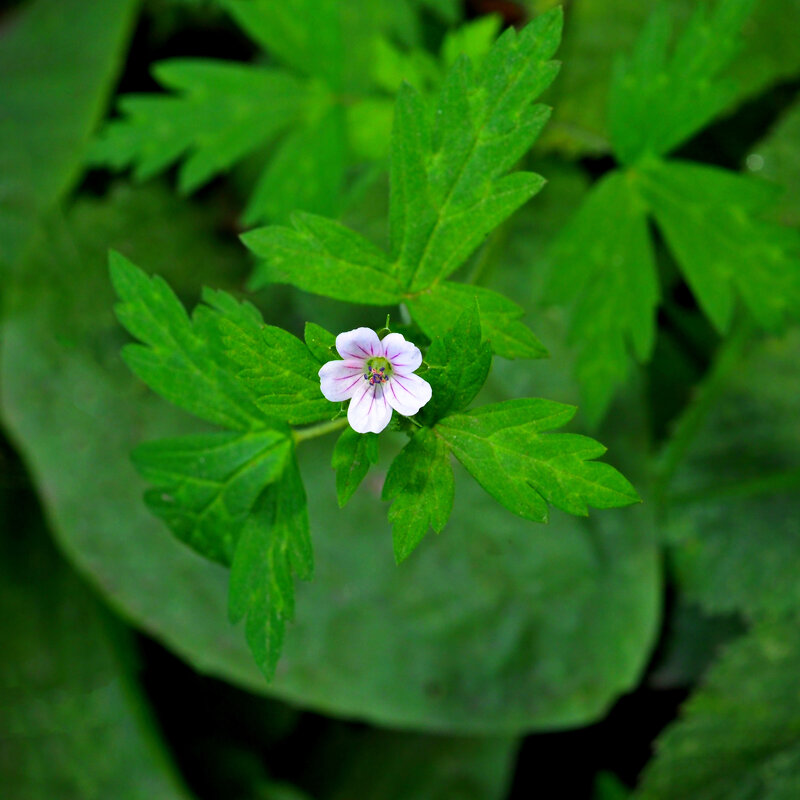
505 447
353 455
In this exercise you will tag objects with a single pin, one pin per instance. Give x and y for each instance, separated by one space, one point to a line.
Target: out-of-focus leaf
735 521
738 735
535 627
777 158
58 59
72 719
602 264
387 765
353 455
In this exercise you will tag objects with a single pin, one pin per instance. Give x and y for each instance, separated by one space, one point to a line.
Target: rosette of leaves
237 496
603 264
321 103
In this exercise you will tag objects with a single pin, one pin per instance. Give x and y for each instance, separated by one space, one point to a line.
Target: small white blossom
376 375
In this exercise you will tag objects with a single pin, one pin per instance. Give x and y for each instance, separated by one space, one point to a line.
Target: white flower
376 376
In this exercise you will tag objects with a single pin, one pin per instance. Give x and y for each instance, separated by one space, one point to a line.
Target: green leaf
421 487
602 265
458 365
206 485
353 455
438 309
275 544
322 256
738 734
732 521
53 95
75 723
503 446
659 101
710 218
277 368
222 112
449 182
182 359
320 342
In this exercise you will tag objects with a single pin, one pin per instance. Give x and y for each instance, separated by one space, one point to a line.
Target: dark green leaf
450 182
437 310
421 486
458 364
504 447
324 257
738 735
658 101
53 94
278 369
183 359
275 544
320 342
710 218
206 485
353 455
602 264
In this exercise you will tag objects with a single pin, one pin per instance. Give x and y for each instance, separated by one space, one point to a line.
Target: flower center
378 371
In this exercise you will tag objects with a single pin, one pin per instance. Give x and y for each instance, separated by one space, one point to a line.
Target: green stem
314 431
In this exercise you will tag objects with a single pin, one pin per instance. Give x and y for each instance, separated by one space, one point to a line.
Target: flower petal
339 380
406 394
403 355
360 343
368 411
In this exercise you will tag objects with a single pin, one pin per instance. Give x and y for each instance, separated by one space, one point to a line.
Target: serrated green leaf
421 488
206 485
710 218
277 368
449 181
320 342
658 101
602 264
52 97
324 257
458 365
504 447
353 455
181 359
274 546
437 310
738 734
221 112
473 39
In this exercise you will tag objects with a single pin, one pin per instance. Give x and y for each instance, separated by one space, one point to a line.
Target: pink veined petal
360 343
339 380
403 355
368 411
406 394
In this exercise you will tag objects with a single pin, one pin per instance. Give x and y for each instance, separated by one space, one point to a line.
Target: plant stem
314 431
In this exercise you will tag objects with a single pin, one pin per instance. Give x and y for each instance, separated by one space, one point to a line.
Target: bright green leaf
658 100
275 544
738 734
504 447
602 264
322 256
206 485
421 487
450 182
320 342
710 218
458 365
181 359
438 309
353 455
